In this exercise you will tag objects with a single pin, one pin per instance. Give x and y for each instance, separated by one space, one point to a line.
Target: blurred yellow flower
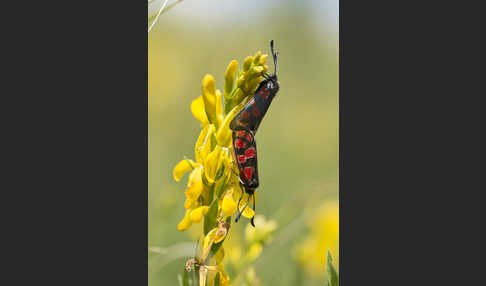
262 232
324 235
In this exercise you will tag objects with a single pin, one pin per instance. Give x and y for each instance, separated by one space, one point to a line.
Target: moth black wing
245 153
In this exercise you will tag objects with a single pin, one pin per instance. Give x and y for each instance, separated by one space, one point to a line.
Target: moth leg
241 212
252 219
241 196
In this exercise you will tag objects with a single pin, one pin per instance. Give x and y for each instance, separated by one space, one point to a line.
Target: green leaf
216 280
332 275
214 141
185 279
220 184
210 217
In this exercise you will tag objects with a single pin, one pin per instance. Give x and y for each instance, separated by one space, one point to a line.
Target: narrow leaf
216 280
210 217
185 279
332 275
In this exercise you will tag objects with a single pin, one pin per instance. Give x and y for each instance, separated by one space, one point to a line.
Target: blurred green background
297 140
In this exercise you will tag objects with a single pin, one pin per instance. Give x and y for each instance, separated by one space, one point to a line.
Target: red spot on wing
265 93
239 143
249 153
256 111
241 159
248 137
240 133
248 172
245 114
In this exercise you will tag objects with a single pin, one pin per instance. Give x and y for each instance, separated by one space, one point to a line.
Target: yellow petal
181 168
257 69
248 212
190 204
197 109
256 59
203 144
199 143
212 164
207 243
219 107
247 63
195 184
263 59
185 223
229 205
229 77
198 213
209 97
220 235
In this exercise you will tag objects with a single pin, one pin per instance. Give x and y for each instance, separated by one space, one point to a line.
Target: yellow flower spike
195 184
247 63
181 168
263 59
229 205
185 223
257 69
219 107
229 77
265 68
198 110
209 97
254 251
213 162
256 59
197 214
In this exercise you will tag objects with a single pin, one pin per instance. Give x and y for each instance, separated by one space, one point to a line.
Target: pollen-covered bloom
213 189
323 235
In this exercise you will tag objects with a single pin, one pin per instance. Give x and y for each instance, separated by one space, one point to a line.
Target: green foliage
332 275
210 217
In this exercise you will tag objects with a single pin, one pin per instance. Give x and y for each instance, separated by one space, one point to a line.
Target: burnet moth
245 125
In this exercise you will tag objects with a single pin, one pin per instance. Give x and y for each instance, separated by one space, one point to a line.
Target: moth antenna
275 56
